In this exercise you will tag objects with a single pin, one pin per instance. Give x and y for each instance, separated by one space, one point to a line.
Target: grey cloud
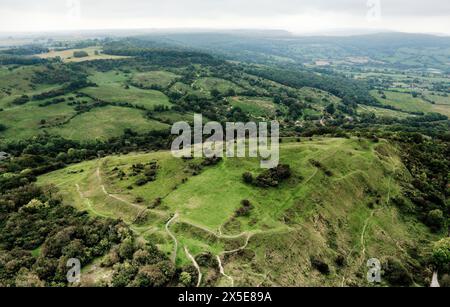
257 8
216 8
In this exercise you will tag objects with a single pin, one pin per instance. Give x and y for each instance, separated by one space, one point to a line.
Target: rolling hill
339 214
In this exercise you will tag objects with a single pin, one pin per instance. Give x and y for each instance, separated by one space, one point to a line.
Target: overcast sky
300 16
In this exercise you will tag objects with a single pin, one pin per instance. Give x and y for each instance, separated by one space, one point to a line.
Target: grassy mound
336 211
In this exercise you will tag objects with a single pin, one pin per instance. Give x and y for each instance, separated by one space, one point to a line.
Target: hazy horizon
298 17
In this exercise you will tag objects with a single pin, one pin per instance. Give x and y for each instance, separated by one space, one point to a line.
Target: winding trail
99 177
294 195
217 235
176 219
200 276
89 203
175 249
139 207
249 236
222 271
366 225
363 233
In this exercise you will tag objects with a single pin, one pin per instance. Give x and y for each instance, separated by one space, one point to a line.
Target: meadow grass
257 106
112 77
207 84
405 102
159 78
347 212
25 121
117 93
380 112
106 122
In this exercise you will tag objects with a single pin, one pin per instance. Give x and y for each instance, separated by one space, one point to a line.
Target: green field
380 112
206 85
159 78
184 89
348 213
25 121
117 93
94 53
256 106
438 98
112 77
18 82
107 122
317 96
29 120
406 102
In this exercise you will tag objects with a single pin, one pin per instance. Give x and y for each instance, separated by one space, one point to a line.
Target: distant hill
400 50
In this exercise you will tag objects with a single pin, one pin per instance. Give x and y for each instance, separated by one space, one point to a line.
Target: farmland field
407 103
105 123
258 106
94 53
383 112
27 122
117 93
159 78
205 85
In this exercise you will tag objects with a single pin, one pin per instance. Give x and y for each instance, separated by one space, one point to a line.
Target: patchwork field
94 53
183 88
17 82
380 112
317 96
205 85
29 120
343 210
406 102
107 122
117 94
113 77
159 78
257 106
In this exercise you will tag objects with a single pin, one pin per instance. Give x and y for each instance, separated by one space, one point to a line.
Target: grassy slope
111 88
104 123
257 106
205 85
24 121
160 78
382 112
405 102
18 82
309 215
117 93
100 123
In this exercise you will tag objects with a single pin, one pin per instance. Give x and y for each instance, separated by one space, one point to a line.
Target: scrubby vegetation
363 174
34 220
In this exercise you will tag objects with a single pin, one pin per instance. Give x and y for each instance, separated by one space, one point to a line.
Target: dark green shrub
396 273
248 177
80 54
320 265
